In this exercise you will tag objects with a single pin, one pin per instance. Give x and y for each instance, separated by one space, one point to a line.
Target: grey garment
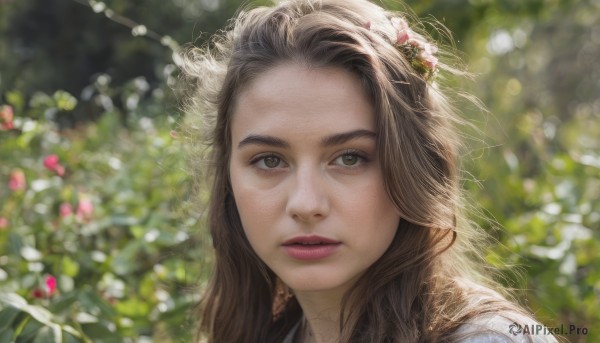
499 329
485 329
489 338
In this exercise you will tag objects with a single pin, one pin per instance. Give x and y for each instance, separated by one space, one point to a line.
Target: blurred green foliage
116 231
540 175
112 229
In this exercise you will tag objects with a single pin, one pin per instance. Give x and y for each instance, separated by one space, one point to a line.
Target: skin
287 183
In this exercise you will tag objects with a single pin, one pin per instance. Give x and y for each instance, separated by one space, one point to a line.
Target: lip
312 239
310 247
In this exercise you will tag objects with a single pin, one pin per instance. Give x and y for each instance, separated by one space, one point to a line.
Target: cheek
375 215
257 208
255 211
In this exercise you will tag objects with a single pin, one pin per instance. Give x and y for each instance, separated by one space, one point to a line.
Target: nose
307 198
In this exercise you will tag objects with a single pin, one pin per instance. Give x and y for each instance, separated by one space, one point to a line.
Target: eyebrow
341 138
335 139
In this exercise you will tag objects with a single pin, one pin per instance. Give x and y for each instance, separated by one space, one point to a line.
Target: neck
321 316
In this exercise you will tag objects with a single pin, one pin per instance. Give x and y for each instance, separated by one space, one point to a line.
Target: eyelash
262 157
362 160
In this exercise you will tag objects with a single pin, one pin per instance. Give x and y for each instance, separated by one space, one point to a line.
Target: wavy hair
426 284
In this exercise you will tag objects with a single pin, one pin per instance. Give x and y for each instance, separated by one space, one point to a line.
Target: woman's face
306 176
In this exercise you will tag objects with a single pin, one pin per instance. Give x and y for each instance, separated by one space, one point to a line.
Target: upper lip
312 239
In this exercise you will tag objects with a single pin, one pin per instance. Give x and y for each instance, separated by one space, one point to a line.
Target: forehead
303 101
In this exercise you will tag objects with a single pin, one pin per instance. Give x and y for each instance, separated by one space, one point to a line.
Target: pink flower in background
6 118
85 208
48 290
65 209
17 180
51 162
3 223
50 282
37 293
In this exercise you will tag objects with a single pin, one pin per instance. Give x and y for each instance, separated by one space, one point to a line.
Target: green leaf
45 335
14 300
125 261
16 99
64 101
69 266
38 313
74 339
7 316
6 336
91 301
133 307
99 333
64 303
15 243
28 331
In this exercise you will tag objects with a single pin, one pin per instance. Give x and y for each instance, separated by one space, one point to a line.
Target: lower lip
311 252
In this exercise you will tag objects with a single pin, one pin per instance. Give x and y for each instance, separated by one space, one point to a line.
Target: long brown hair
423 287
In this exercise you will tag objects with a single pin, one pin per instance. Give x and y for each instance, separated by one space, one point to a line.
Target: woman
335 208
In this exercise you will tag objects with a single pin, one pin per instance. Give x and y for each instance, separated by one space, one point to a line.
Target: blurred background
99 240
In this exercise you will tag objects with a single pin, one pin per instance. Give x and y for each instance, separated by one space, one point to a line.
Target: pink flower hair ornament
419 53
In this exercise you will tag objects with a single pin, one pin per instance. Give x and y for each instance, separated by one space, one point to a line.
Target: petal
402 37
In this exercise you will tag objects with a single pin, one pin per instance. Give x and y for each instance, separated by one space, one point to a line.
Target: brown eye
271 161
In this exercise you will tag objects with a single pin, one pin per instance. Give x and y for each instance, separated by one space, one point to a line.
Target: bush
96 241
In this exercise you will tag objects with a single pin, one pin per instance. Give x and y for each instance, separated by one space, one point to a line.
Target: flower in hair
403 32
420 54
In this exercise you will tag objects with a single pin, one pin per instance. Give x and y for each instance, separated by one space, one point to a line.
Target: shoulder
500 328
506 324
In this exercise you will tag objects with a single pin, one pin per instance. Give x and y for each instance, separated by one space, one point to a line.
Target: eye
267 162
271 161
350 158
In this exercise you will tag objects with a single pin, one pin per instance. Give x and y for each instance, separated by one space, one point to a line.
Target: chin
323 281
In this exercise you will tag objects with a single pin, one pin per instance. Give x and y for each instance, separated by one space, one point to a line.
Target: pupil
349 159
271 161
